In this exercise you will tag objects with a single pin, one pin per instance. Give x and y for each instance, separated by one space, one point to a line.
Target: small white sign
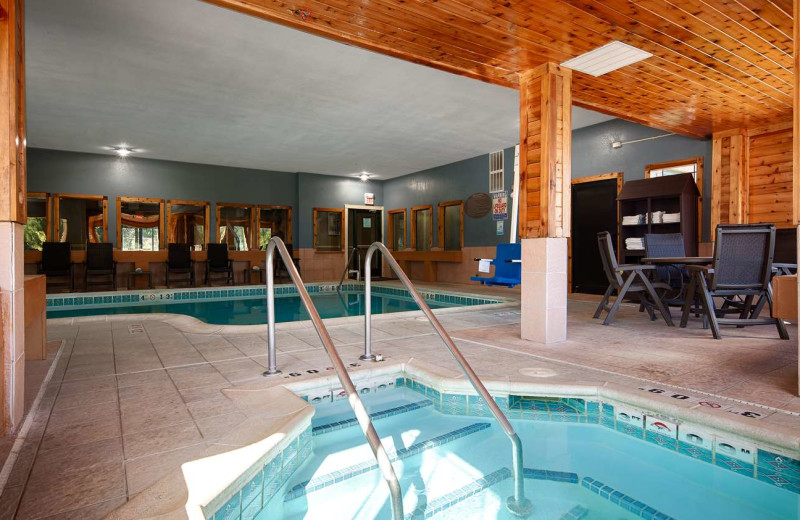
500 206
369 199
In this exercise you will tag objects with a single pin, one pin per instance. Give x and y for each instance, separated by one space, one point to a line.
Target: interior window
234 226
139 224
37 228
81 219
187 223
452 228
675 170
397 229
274 221
422 228
328 229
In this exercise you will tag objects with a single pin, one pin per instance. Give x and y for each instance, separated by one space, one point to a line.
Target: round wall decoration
478 205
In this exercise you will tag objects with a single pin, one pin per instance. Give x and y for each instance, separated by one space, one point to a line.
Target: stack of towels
632 220
657 217
634 244
671 217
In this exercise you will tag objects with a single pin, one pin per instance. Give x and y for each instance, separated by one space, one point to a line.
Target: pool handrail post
364 421
516 504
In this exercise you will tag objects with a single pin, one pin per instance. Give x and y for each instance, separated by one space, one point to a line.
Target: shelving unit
671 194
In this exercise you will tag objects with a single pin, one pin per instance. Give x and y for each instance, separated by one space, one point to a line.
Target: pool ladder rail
517 504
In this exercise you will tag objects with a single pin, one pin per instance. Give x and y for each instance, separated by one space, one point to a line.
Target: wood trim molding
207 215
390 226
414 211
57 210
48 209
161 226
440 222
341 234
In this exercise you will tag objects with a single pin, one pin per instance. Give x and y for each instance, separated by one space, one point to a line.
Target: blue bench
507 267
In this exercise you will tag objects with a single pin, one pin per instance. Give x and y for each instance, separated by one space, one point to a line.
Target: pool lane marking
16 448
650 381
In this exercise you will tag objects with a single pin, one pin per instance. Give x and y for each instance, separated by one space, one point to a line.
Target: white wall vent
609 57
496 172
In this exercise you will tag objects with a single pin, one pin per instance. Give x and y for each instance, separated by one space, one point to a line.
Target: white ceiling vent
496 172
611 56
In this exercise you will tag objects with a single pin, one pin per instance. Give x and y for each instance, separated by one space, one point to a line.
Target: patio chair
218 262
57 263
742 268
628 279
100 263
507 273
179 261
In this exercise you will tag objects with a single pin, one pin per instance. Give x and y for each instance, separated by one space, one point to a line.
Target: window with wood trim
235 225
451 225
328 236
188 223
693 165
398 229
37 225
422 228
139 224
80 219
273 221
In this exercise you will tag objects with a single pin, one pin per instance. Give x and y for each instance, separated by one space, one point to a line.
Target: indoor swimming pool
248 306
582 460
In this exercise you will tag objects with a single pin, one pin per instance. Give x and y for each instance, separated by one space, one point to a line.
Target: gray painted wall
592 154
452 181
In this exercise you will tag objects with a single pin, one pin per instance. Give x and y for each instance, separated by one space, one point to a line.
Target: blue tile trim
624 501
347 423
364 467
454 497
555 476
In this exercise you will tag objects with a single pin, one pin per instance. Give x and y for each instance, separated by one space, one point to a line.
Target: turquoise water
253 311
677 486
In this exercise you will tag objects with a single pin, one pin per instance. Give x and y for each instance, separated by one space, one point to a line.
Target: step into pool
248 306
458 467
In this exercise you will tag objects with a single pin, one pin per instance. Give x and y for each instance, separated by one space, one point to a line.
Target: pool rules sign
500 205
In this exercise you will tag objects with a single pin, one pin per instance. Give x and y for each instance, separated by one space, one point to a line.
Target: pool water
439 479
253 311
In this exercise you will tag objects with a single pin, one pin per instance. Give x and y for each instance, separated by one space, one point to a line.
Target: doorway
364 226
594 209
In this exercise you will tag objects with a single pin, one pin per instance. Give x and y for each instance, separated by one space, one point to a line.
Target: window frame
161 226
57 212
698 180
390 226
414 211
207 210
48 224
219 205
441 224
289 225
341 235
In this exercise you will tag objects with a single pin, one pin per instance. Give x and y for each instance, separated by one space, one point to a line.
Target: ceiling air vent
496 172
611 56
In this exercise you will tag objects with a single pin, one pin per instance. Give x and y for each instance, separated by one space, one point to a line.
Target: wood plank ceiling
717 64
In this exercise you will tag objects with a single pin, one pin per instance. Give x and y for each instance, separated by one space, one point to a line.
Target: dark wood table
682 260
133 275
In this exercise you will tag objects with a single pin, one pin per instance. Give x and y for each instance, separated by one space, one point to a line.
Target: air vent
611 56
496 172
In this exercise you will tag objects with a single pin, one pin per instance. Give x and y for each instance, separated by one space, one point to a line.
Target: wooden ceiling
717 64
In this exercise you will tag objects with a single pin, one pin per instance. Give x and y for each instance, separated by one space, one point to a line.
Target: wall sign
369 199
500 206
500 228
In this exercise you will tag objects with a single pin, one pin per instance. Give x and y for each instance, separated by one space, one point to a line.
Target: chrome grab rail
362 415
346 267
516 504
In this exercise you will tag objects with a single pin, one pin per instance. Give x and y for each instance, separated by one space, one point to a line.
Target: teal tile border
622 500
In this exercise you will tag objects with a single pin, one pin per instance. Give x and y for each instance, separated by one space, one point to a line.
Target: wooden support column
12 211
545 187
796 142
729 182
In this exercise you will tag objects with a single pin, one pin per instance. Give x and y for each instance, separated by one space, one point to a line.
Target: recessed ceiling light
364 176
611 56
122 150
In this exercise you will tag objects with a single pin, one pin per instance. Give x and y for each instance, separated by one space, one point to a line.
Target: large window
328 235
139 224
187 223
451 225
397 229
37 225
81 219
422 228
235 226
274 221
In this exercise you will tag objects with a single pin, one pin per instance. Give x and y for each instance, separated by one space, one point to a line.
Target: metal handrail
516 504
384 464
346 267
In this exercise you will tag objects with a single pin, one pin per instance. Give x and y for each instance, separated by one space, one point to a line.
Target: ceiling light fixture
609 57
122 150
365 176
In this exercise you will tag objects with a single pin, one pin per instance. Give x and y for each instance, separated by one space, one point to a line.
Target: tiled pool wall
166 296
245 498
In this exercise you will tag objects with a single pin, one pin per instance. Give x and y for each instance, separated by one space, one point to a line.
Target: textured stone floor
130 400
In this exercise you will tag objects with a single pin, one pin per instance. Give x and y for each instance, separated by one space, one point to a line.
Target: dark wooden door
594 209
366 228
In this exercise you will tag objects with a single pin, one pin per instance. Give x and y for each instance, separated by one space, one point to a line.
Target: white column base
12 307
544 290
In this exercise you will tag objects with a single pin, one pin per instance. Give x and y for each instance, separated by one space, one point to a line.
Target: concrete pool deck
132 398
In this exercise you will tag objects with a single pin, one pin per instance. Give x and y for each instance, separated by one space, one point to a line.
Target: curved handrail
517 504
362 415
